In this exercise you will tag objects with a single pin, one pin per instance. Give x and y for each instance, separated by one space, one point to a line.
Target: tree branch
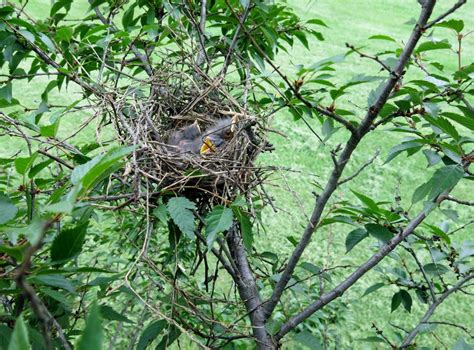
351 145
248 290
411 336
447 13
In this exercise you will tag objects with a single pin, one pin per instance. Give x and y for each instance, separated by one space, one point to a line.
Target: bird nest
174 129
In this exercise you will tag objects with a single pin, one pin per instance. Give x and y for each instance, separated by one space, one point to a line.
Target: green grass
353 22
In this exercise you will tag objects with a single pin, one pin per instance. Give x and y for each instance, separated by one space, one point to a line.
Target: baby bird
191 140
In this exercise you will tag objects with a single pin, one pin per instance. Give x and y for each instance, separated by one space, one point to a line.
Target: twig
411 336
373 58
357 173
447 13
459 201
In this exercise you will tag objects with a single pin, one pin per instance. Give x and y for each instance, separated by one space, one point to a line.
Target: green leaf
464 121
432 157
219 220
245 227
109 313
382 37
58 281
22 165
354 237
435 269
64 34
397 149
106 165
454 24
317 22
50 130
7 209
150 333
92 335
6 92
27 35
396 301
442 180
19 339
161 213
47 41
433 45
373 288
406 300
179 209
369 202
308 339
380 232
68 243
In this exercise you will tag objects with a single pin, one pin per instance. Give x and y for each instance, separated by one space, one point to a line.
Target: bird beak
208 146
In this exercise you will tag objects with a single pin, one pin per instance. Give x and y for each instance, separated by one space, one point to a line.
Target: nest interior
175 100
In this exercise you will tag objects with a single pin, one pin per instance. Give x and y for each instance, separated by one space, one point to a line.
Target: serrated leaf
444 179
380 232
219 220
47 41
92 335
19 339
68 243
435 269
396 301
7 209
382 37
317 21
161 212
397 149
57 280
432 157
245 227
109 313
369 202
150 333
433 45
454 24
406 300
354 237
180 210
373 288
308 339
6 92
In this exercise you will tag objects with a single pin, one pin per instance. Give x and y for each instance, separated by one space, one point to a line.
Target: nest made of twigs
177 100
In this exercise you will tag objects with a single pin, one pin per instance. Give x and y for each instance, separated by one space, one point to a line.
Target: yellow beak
208 146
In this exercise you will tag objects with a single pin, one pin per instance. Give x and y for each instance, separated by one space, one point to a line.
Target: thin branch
423 272
465 329
411 336
357 173
373 58
459 201
345 156
57 159
447 13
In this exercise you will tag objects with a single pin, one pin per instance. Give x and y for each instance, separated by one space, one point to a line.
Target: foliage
89 256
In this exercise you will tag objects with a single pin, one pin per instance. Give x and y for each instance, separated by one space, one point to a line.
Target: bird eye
228 134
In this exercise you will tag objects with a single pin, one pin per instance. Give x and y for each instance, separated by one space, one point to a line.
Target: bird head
217 136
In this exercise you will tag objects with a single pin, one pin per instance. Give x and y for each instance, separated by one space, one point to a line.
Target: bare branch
373 58
411 336
361 169
459 201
